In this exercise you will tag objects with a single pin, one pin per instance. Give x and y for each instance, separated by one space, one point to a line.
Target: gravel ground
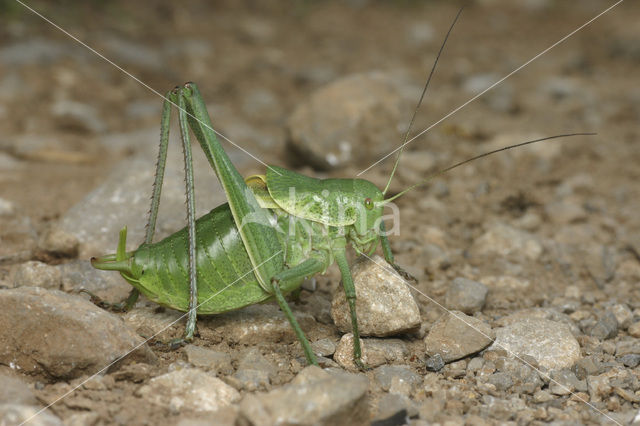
526 308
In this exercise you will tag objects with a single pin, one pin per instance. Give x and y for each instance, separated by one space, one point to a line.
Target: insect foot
384 303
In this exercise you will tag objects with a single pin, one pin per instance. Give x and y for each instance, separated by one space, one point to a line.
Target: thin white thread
139 81
388 269
491 87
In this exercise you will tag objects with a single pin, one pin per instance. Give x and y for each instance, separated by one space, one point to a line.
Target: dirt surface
69 117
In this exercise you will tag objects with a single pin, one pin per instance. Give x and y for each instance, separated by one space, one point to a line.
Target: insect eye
368 203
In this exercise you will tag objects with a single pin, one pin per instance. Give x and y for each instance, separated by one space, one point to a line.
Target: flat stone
188 389
38 274
455 335
388 375
15 391
503 240
606 327
384 303
61 335
627 347
350 121
466 295
207 359
17 414
314 397
375 352
550 343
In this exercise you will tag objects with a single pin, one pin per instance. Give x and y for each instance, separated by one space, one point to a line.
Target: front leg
350 293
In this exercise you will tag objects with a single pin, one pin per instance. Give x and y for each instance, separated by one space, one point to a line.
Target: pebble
564 382
466 295
455 335
209 360
17 414
375 352
630 360
324 347
385 375
79 338
540 313
352 120
38 274
384 303
550 343
623 315
606 327
501 381
314 397
627 346
188 389
59 243
434 362
503 240
254 371
634 329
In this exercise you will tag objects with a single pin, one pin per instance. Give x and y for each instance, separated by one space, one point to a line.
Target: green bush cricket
274 232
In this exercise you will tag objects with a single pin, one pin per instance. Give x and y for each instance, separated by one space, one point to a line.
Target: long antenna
415 112
440 172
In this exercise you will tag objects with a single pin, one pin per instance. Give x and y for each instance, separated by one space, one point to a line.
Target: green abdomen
224 271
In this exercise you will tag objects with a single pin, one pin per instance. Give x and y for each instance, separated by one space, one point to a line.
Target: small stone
254 371
136 373
587 366
599 387
323 347
59 243
623 315
475 364
434 362
456 335
38 274
384 303
634 329
564 382
375 352
550 343
501 99
61 335
466 295
17 414
606 327
313 397
630 360
217 362
7 208
502 381
502 240
542 396
385 375
188 389
626 347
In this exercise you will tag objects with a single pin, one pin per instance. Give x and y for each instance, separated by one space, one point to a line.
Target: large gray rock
314 397
188 389
51 332
455 335
355 119
384 303
550 343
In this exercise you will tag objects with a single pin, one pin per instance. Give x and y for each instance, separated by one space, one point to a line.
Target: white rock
384 303
550 343
189 389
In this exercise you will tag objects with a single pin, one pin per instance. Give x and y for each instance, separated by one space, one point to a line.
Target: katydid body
275 231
